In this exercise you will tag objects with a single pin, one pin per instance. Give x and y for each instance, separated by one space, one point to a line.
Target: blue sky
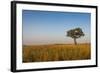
49 27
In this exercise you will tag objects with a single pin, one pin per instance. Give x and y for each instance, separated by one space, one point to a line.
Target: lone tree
75 33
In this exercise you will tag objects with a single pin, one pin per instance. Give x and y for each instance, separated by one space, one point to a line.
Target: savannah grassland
56 52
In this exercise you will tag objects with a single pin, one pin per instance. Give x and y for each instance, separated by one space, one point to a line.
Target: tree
75 33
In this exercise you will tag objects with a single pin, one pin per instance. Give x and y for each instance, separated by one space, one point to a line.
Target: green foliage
75 33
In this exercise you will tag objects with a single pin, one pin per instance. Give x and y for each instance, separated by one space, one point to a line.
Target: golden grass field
56 52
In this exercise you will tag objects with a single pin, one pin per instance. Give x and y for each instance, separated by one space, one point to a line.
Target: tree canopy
75 33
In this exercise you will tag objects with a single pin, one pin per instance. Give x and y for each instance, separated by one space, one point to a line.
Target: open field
56 52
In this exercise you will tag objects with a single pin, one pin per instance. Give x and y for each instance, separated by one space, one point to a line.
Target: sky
50 27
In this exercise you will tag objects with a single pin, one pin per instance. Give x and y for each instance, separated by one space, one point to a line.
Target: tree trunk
75 41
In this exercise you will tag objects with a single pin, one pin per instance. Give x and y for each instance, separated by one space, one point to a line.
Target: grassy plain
56 52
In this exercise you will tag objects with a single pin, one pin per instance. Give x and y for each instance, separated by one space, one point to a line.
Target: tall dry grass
56 52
